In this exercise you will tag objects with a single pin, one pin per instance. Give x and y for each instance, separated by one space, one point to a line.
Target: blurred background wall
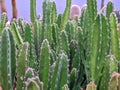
24 6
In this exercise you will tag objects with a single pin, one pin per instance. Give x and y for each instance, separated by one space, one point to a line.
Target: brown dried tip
75 12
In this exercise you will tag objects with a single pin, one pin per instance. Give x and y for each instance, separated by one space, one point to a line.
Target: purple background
24 6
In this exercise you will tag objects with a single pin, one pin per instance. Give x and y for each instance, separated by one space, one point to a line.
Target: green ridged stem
66 14
64 45
60 74
84 64
29 38
52 67
110 66
91 86
84 18
62 71
84 23
55 33
99 40
92 10
22 64
59 20
41 35
46 20
104 45
70 31
73 75
92 13
16 34
54 12
105 75
83 67
74 55
3 22
32 10
7 60
13 55
94 51
54 76
80 44
114 36
109 9
44 63
53 56
37 37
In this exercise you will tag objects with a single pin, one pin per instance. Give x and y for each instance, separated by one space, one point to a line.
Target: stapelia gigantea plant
56 53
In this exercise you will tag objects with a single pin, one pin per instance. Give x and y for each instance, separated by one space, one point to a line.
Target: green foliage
55 53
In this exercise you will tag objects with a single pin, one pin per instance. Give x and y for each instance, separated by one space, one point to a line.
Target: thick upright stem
14 9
